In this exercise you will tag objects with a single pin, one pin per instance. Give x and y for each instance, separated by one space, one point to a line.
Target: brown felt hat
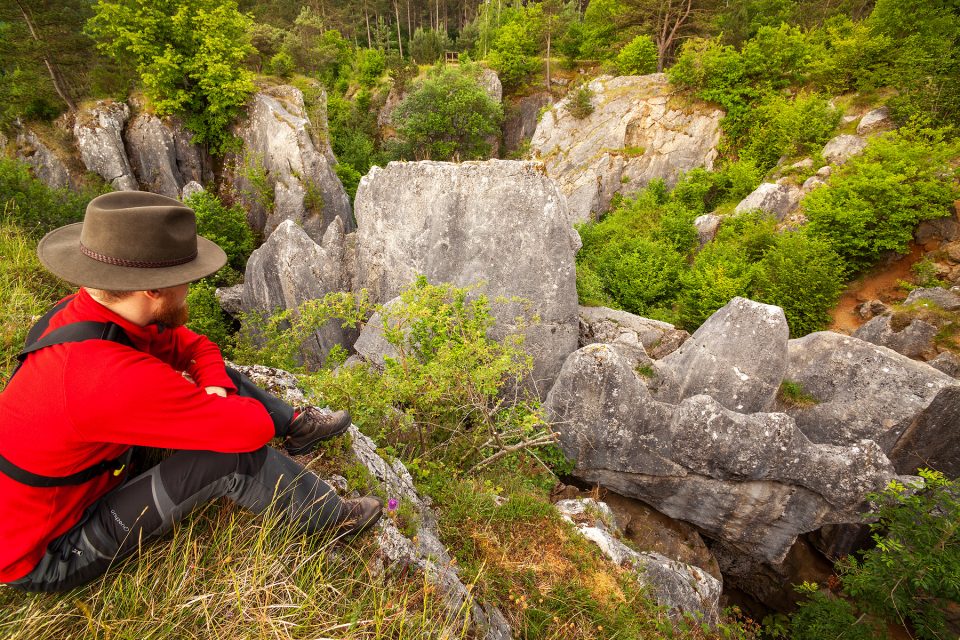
131 241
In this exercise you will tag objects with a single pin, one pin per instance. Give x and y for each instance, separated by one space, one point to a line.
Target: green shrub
849 56
281 64
580 104
227 226
370 65
824 615
38 209
448 115
721 271
599 29
514 55
428 45
777 57
803 276
785 127
638 57
206 315
874 202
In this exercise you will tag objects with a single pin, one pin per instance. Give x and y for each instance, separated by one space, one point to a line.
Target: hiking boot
362 514
313 426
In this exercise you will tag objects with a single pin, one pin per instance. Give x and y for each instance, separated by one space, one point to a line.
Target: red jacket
75 404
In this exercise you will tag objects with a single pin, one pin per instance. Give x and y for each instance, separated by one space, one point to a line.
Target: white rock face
278 143
633 136
46 165
499 221
490 82
99 137
162 156
289 269
874 121
778 199
842 148
679 587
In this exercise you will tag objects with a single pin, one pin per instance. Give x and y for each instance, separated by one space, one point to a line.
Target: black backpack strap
73 332
113 465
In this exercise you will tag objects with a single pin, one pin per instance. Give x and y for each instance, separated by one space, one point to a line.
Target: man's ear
152 294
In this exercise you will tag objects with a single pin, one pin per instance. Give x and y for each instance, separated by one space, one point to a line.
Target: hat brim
59 251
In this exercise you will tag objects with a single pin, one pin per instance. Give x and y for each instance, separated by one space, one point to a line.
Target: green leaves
448 116
189 55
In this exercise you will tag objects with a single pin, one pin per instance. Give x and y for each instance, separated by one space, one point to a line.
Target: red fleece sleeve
196 354
133 398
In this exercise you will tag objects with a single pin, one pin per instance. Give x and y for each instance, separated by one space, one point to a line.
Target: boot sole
306 448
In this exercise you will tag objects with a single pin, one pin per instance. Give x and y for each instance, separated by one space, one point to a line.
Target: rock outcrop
859 390
635 134
285 171
932 439
938 296
842 148
680 588
752 480
738 357
289 269
99 134
707 226
777 199
490 81
616 327
913 340
162 156
45 164
502 222
875 121
520 119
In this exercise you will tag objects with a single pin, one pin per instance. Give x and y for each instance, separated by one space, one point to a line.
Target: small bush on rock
580 104
638 57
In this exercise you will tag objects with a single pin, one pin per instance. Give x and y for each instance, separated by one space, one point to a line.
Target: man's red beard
170 315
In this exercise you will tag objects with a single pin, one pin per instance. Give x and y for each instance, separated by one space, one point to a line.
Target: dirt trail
878 284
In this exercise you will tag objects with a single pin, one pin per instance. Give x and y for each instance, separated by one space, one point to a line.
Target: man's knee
187 473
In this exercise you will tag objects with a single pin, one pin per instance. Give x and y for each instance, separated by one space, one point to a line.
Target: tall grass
227 574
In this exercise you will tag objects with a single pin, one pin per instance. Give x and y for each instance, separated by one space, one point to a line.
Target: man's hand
217 391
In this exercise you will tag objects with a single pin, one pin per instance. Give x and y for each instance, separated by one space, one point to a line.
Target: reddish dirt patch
880 283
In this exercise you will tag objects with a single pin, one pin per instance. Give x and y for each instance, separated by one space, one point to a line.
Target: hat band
139 264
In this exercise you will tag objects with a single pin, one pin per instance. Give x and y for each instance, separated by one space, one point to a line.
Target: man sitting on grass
112 367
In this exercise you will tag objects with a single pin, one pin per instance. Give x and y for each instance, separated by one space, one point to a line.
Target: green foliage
793 394
206 315
914 570
580 104
370 66
227 226
875 201
189 55
598 32
448 115
720 271
637 57
38 209
849 56
281 64
514 54
785 127
803 276
910 576
428 45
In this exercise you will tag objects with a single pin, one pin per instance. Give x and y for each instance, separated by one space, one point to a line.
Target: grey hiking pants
145 507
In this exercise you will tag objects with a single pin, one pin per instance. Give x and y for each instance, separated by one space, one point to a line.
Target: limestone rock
948 362
707 226
613 326
635 134
501 222
680 588
280 383
280 148
811 183
824 172
842 148
862 391
490 82
940 297
912 340
738 357
191 188
425 551
521 117
874 121
778 199
98 131
289 269
372 346
45 164
933 438
754 480
161 155
230 299
872 308
946 229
